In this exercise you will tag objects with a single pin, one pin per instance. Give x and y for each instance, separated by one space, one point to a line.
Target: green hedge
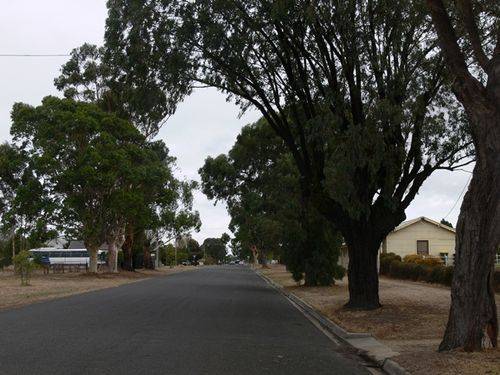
392 266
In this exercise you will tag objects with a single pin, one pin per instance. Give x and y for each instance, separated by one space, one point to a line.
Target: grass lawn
411 321
45 287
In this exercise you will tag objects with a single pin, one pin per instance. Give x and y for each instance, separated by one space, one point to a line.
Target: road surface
218 320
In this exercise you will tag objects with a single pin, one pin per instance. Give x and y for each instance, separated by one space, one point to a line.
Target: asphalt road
219 320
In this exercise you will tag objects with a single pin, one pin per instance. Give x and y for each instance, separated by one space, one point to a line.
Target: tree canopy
260 185
214 248
357 90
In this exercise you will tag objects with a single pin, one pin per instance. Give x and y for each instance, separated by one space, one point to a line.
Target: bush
428 270
419 259
416 268
23 266
209 261
413 258
386 260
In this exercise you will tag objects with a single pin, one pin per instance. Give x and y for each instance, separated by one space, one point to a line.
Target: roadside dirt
411 321
44 287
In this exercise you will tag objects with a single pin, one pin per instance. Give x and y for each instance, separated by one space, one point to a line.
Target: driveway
216 320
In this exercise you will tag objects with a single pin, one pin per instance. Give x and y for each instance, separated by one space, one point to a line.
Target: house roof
63 243
407 223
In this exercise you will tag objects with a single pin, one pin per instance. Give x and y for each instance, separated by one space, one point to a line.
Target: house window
423 247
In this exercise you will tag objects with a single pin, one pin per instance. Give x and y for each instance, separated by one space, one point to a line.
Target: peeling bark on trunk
93 259
255 254
363 273
112 256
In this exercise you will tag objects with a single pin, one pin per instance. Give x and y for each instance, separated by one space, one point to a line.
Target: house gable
436 237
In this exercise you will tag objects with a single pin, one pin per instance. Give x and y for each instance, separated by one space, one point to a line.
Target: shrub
23 265
413 258
386 260
416 268
419 259
208 261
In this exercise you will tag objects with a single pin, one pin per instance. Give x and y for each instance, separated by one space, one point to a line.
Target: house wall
404 241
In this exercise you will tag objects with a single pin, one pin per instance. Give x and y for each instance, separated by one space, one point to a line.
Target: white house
417 236
421 236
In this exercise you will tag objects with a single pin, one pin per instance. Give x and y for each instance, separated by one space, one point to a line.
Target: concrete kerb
365 343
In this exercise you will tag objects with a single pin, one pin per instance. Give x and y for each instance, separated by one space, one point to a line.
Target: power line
33 55
461 193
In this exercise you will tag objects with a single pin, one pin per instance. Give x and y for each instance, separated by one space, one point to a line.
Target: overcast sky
204 124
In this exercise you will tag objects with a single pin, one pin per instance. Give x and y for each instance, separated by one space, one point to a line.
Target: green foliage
215 248
86 158
261 187
391 265
419 259
447 223
385 261
25 208
167 255
106 75
364 127
24 266
366 116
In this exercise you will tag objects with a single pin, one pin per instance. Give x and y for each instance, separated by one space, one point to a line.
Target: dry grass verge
45 287
411 322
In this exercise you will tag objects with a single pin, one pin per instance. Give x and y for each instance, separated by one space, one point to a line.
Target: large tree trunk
93 258
112 255
255 254
362 273
148 262
128 263
473 321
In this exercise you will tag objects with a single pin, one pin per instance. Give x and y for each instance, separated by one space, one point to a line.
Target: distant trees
447 223
261 187
153 205
215 248
366 116
24 206
469 37
80 153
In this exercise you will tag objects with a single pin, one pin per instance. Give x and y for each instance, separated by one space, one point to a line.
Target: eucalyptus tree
77 150
167 204
214 248
129 89
25 208
117 84
469 36
260 185
357 90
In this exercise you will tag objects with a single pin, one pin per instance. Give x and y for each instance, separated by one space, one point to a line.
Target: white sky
204 124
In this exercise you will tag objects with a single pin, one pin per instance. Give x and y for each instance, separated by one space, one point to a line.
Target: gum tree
469 36
129 89
77 150
260 185
356 89
25 208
